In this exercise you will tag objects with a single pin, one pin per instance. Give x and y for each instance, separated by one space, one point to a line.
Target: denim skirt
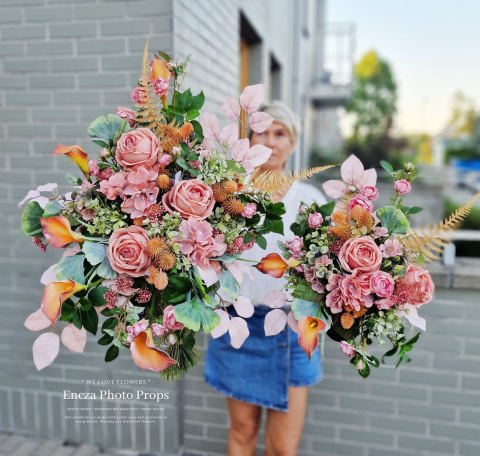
263 368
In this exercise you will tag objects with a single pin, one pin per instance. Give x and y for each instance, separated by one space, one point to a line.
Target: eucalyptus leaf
94 252
71 267
51 209
106 130
302 309
105 270
194 313
229 284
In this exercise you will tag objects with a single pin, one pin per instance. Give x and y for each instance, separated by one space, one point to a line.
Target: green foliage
94 252
105 132
71 267
302 308
393 219
31 219
194 313
303 291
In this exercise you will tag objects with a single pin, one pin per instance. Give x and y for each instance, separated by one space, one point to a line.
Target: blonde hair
283 114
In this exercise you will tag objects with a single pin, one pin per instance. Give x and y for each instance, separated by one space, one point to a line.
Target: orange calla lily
77 154
308 328
55 294
160 69
58 231
274 265
146 356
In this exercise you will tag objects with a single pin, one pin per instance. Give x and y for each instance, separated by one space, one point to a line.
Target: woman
270 371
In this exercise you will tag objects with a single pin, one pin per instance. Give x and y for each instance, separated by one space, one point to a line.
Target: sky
433 49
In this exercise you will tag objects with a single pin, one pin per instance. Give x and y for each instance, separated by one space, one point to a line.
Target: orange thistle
359 313
233 206
58 231
347 320
55 294
219 192
342 228
186 131
362 218
139 221
158 278
156 246
308 328
230 186
273 264
166 260
146 356
77 154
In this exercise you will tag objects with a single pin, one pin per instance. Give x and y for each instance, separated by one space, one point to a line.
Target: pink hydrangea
349 290
296 245
93 167
127 114
370 192
249 211
198 243
88 214
347 348
382 284
362 201
324 260
105 174
169 320
402 186
315 220
160 86
140 193
114 185
380 231
391 247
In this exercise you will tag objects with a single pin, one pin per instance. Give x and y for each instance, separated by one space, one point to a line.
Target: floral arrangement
358 272
155 227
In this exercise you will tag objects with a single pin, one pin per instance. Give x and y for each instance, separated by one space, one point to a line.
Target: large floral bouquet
358 272
155 227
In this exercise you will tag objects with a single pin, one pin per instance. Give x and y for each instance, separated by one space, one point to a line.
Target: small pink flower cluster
239 246
249 211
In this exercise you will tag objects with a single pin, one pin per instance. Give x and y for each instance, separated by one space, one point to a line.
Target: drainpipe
297 59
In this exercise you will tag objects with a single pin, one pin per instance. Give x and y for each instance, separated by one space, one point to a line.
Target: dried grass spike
233 206
347 320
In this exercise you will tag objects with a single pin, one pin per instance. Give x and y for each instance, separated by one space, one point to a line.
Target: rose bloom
169 320
191 198
138 95
370 192
382 284
296 245
249 211
128 114
93 167
165 160
303 209
362 201
160 86
157 330
391 247
361 254
198 242
127 251
347 348
417 275
138 147
105 174
315 220
402 186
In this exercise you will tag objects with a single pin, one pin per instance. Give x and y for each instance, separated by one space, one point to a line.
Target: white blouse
263 283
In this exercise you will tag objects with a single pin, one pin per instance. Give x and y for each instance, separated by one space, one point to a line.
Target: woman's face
276 137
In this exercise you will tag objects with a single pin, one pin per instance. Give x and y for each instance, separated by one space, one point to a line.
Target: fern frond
149 113
271 181
435 238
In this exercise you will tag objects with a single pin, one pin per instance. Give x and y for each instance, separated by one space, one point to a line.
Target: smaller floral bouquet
358 272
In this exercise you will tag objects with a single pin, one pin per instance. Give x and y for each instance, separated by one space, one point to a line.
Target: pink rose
347 348
127 251
361 254
420 280
303 209
402 186
138 95
138 147
249 211
105 174
104 153
315 220
165 160
93 167
158 330
296 246
198 242
362 201
160 86
169 320
370 192
191 198
127 114
382 284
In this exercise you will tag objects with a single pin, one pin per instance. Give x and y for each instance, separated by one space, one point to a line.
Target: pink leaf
243 306
240 149
72 250
251 98
47 187
231 108
256 156
210 126
241 266
292 321
275 321
335 189
229 135
238 331
275 299
209 276
222 327
45 349
260 121
352 170
369 178
73 338
48 276
37 321
413 317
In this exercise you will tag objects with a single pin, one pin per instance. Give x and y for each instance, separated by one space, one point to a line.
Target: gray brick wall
65 62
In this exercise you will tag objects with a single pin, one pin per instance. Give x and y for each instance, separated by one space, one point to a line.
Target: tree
373 104
463 114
